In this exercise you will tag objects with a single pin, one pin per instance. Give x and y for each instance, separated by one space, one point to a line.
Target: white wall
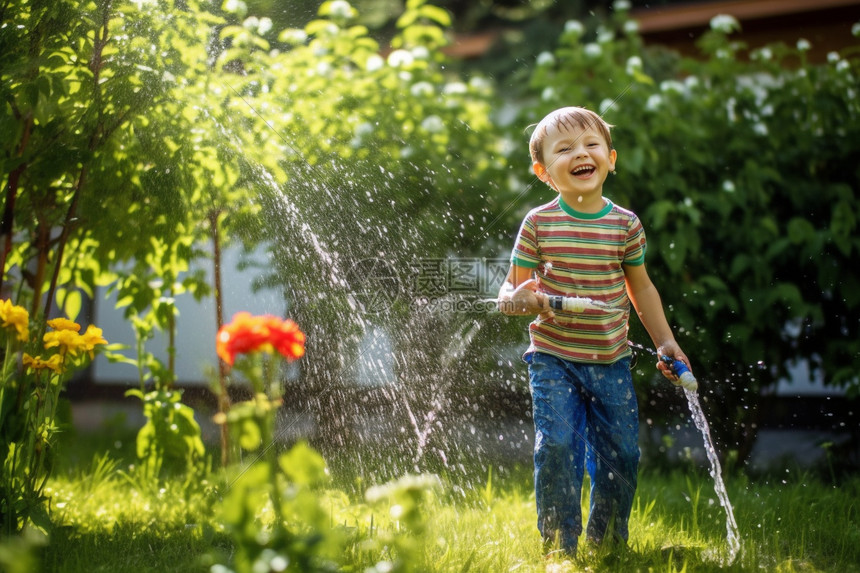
800 383
195 332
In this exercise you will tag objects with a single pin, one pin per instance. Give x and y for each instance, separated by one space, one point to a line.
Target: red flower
247 333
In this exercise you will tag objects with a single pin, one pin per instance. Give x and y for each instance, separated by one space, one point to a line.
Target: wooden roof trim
696 15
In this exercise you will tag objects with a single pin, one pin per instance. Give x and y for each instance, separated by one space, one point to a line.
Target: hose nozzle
682 371
569 303
579 304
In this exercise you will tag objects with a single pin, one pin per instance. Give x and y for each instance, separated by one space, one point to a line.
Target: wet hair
570 118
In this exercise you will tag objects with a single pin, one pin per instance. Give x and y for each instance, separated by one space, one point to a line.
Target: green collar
574 213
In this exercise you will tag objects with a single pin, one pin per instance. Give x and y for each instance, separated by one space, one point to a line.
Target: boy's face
576 163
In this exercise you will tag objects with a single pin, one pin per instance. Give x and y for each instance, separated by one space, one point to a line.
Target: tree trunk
7 224
223 397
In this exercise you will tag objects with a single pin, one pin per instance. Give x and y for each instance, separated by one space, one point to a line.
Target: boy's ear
613 157
540 171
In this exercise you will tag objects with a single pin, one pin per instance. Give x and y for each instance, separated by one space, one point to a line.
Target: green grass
677 525
107 517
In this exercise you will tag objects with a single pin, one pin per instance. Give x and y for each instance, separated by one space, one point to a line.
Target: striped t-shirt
586 252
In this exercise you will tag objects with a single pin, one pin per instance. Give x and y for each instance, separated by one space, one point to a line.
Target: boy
585 410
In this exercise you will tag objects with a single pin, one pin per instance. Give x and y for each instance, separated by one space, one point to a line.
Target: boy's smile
577 163
583 171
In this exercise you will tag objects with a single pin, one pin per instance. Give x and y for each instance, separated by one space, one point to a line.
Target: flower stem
7 359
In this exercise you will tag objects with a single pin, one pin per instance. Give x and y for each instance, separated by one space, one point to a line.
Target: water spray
690 385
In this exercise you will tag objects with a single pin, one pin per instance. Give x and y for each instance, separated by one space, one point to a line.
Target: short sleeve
526 253
635 245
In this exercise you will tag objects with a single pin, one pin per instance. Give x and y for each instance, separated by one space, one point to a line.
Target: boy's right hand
527 300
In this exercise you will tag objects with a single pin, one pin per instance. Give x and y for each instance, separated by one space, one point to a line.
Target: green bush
742 165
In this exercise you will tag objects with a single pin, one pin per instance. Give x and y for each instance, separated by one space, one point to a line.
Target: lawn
108 515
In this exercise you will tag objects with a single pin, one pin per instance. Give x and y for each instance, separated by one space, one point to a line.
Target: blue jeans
586 418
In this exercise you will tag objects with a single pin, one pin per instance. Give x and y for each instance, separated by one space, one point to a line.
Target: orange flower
248 333
287 339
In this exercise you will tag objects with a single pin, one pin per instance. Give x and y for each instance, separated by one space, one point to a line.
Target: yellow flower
17 317
54 363
29 361
92 336
64 324
68 341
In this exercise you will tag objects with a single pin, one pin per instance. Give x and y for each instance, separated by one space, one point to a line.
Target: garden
379 419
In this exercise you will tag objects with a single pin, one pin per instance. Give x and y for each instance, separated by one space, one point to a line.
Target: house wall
195 336
826 24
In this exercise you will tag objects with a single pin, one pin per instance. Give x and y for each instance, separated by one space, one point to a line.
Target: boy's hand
672 350
527 300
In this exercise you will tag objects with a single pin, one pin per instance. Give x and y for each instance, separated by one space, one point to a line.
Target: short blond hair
571 117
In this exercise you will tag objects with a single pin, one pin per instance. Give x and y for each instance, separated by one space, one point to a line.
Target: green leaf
250 437
436 14
135 393
788 295
713 283
315 27
634 160
303 465
146 438
843 220
770 225
800 230
72 303
407 19
659 212
642 78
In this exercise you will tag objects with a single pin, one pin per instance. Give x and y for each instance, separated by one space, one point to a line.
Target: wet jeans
586 418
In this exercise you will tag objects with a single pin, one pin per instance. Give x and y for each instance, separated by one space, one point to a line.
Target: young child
585 409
